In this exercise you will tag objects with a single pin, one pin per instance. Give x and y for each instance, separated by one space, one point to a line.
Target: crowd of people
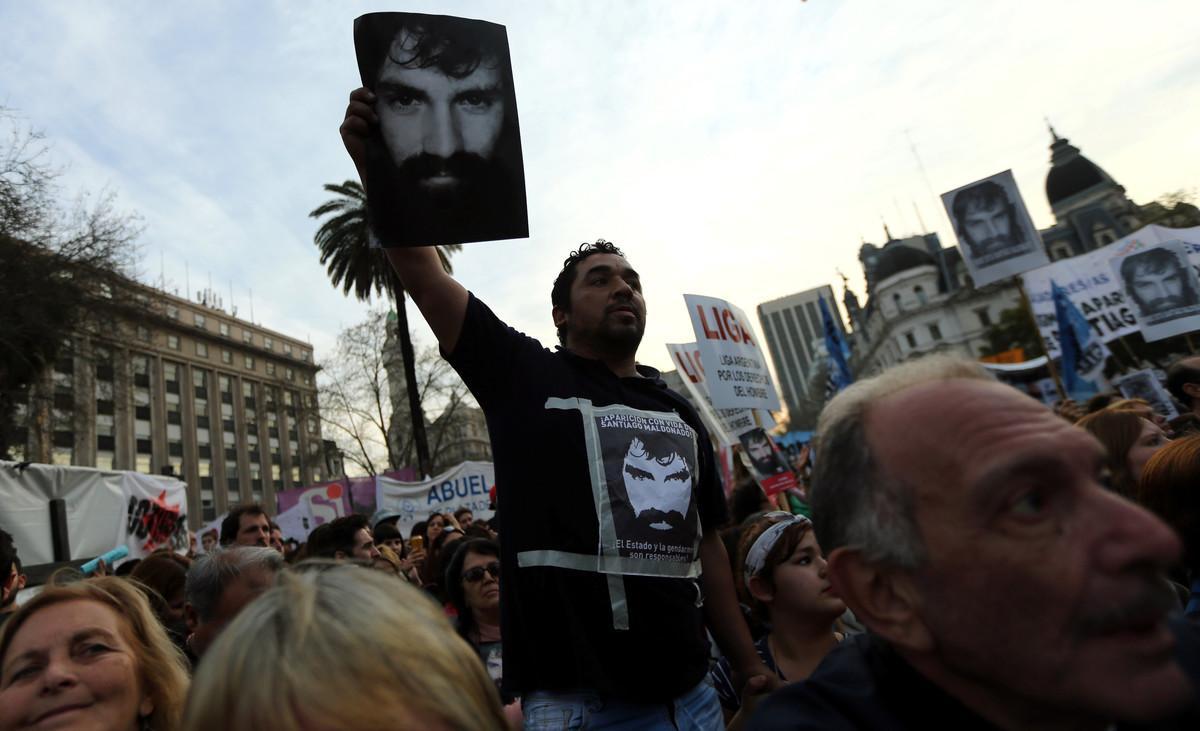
963 557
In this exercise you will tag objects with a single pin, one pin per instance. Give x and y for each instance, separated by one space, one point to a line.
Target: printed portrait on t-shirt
650 471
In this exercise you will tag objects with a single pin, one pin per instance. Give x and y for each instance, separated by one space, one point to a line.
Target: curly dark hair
560 293
453 46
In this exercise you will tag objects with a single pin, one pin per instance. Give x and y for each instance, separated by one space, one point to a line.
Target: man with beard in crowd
445 163
343 539
246 525
1002 583
592 632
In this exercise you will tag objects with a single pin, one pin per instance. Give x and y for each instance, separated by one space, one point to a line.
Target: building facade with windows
795 339
184 388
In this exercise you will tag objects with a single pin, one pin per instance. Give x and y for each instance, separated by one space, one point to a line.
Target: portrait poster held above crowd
615 552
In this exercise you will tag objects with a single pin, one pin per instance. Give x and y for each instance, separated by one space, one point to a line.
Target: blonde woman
309 654
90 655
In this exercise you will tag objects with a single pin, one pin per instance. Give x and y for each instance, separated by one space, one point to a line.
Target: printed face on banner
650 463
446 163
734 366
766 463
1162 286
997 239
1146 386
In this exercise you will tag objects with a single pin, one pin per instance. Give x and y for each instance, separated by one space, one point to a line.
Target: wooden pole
1062 392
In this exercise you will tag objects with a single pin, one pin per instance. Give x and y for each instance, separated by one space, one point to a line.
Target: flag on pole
1083 355
839 351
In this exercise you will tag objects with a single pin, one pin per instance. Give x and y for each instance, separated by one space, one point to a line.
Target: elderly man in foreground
1002 584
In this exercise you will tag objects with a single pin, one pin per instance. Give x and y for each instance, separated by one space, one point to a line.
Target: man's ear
190 617
883 598
1192 390
559 315
759 589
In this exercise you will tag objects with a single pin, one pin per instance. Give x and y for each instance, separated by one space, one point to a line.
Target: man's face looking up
989 228
1158 289
429 120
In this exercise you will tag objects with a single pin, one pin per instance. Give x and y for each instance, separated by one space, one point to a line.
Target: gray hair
854 501
212 572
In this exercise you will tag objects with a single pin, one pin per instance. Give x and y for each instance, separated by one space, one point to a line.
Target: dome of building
899 257
1070 172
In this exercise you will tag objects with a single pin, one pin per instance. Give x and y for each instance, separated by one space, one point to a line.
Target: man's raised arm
441 299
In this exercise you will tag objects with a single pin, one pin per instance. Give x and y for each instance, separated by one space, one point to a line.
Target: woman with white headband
783 578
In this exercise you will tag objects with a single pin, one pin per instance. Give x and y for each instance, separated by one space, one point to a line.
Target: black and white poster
1144 385
650 472
1161 285
996 236
444 163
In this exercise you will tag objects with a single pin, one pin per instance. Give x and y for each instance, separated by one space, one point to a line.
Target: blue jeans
696 710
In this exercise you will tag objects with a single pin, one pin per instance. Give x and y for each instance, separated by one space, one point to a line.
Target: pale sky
733 149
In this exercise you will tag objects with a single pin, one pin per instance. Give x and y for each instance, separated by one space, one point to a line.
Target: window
173 342
289 374
143 333
935 332
247 337
305 355
224 328
268 343
911 339
250 362
198 319
287 348
307 380
919 292
226 357
270 369
202 350
173 312
985 320
896 301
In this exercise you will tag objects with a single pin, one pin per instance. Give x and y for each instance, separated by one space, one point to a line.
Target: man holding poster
607 491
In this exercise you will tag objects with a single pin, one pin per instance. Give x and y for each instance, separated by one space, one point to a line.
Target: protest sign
766 462
466 486
1161 284
1090 283
1144 384
724 424
444 162
737 373
155 514
322 504
996 236
105 509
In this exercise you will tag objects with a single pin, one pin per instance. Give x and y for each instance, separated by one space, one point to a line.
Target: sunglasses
476 574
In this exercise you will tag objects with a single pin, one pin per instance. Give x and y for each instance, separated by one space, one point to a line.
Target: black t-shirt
604 485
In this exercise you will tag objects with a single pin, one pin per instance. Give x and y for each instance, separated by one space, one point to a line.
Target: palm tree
343 239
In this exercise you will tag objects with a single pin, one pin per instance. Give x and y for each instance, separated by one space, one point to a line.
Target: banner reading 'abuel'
736 368
465 486
996 236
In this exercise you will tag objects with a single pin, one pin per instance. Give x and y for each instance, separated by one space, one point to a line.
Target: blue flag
1080 356
839 351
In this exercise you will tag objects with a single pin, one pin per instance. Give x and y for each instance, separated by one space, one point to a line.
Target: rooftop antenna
252 306
917 156
187 279
162 271
920 220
